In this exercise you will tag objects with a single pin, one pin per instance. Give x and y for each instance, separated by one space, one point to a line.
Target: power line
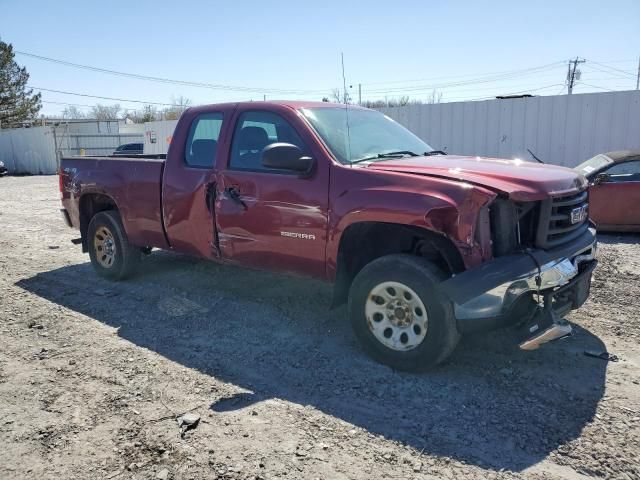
473 81
484 78
625 72
596 86
608 72
66 103
497 76
499 73
105 98
168 80
84 105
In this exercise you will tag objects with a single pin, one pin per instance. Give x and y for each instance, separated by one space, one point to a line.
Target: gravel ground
93 373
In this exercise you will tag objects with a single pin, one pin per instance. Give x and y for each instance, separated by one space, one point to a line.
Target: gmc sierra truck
421 245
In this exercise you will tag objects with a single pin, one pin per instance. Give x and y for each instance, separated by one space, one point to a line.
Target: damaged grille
562 219
546 224
513 225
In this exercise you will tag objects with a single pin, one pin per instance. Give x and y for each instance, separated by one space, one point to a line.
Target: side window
202 142
254 131
624 172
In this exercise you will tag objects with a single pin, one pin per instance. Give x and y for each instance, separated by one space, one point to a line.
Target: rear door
189 181
272 219
615 201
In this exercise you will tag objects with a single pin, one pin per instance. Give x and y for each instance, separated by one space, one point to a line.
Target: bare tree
149 113
72 113
434 97
180 104
105 112
339 96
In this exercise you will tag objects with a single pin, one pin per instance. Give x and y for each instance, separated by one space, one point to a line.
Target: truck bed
134 183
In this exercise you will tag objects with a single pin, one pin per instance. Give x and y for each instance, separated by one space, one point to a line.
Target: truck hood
520 180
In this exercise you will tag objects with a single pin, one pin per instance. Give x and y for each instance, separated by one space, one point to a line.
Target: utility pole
573 74
638 77
360 88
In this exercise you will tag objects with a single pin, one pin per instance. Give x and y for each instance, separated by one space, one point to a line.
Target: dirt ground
92 374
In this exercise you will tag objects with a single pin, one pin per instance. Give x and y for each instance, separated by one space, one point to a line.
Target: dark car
3 169
129 149
614 190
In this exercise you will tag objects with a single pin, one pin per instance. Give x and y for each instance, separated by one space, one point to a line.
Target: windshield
595 163
370 133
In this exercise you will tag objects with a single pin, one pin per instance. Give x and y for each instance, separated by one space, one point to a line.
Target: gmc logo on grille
579 214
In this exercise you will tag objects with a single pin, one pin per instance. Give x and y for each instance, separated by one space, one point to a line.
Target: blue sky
391 48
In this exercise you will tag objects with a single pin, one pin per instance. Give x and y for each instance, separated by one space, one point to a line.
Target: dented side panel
442 206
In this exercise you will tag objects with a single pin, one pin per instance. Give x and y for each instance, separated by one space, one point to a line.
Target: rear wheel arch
363 242
89 205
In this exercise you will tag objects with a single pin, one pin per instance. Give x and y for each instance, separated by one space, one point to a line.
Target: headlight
1 163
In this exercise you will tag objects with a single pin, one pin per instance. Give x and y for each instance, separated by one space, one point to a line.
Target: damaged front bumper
506 290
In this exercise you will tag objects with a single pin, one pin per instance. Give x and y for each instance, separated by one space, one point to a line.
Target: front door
614 203
266 218
187 186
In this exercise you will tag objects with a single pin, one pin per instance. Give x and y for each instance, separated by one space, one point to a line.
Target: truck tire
112 256
399 315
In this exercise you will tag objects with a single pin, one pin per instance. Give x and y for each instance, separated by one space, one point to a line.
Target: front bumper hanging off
547 324
502 291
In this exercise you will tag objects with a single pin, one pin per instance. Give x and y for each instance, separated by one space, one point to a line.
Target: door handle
234 195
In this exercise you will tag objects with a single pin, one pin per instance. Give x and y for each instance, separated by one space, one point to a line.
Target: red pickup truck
422 245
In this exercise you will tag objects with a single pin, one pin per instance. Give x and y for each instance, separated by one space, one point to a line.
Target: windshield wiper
435 152
399 153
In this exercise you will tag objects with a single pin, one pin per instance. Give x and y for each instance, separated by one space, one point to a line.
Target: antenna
346 110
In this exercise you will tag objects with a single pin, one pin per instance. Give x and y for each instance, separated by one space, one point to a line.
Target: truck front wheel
399 315
112 256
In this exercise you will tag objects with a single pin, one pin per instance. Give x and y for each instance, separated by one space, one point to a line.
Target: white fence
563 129
94 144
29 150
36 150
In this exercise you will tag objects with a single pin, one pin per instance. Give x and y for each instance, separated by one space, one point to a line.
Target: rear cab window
202 143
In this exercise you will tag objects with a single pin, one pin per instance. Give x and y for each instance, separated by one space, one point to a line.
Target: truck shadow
274 337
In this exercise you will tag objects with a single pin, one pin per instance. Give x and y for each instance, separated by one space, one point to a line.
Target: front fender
447 208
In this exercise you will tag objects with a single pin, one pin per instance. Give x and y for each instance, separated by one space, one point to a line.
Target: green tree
18 104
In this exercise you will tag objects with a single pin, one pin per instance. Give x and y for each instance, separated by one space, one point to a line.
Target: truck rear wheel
399 315
112 256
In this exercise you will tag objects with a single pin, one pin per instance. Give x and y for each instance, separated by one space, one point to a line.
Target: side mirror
285 156
601 178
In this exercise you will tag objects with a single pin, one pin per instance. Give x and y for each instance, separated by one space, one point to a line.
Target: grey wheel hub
396 316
